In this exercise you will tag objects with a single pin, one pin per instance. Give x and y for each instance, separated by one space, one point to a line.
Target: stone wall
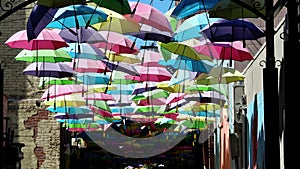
33 125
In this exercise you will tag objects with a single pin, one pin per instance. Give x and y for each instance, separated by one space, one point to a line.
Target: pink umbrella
116 42
101 112
147 14
225 51
60 90
154 74
88 65
157 101
47 39
99 96
150 58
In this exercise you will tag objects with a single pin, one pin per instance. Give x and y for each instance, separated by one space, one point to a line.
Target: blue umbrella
224 30
90 78
186 63
69 109
190 7
75 16
39 18
84 50
191 27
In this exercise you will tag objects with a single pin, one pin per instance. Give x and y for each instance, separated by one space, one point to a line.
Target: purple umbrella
39 18
224 30
48 69
73 116
84 35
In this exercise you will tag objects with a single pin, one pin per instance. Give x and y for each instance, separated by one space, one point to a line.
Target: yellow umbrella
116 23
124 57
74 100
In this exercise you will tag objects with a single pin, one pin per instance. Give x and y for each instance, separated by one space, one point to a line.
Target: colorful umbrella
191 27
118 24
184 50
224 78
225 51
59 3
99 96
38 19
224 30
116 42
47 39
75 16
119 6
88 65
154 74
190 7
122 67
230 10
48 69
83 35
74 100
54 80
85 51
185 63
149 15
148 32
73 116
90 78
70 109
60 90
149 58
44 55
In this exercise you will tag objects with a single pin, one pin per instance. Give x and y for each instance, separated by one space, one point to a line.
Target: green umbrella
120 6
56 81
184 50
45 55
59 3
228 9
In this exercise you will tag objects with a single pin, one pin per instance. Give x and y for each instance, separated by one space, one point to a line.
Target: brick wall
33 125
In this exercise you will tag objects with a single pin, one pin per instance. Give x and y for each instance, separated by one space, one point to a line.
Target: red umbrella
155 74
225 51
47 39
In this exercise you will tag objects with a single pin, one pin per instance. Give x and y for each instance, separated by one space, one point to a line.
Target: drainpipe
1 115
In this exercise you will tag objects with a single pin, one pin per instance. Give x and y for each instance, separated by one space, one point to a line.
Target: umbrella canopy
39 18
185 63
69 109
148 32
230 10
122 67
88 65
184 50
224 78
190 7
44 55
85 51
224 30
226 51
57 81
75 16
99 96
149 58
120 24
147 14
116 42
48 69
119 6
59 3
47 39
154 74
60 90
74 100
82 35
191 27
91 78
